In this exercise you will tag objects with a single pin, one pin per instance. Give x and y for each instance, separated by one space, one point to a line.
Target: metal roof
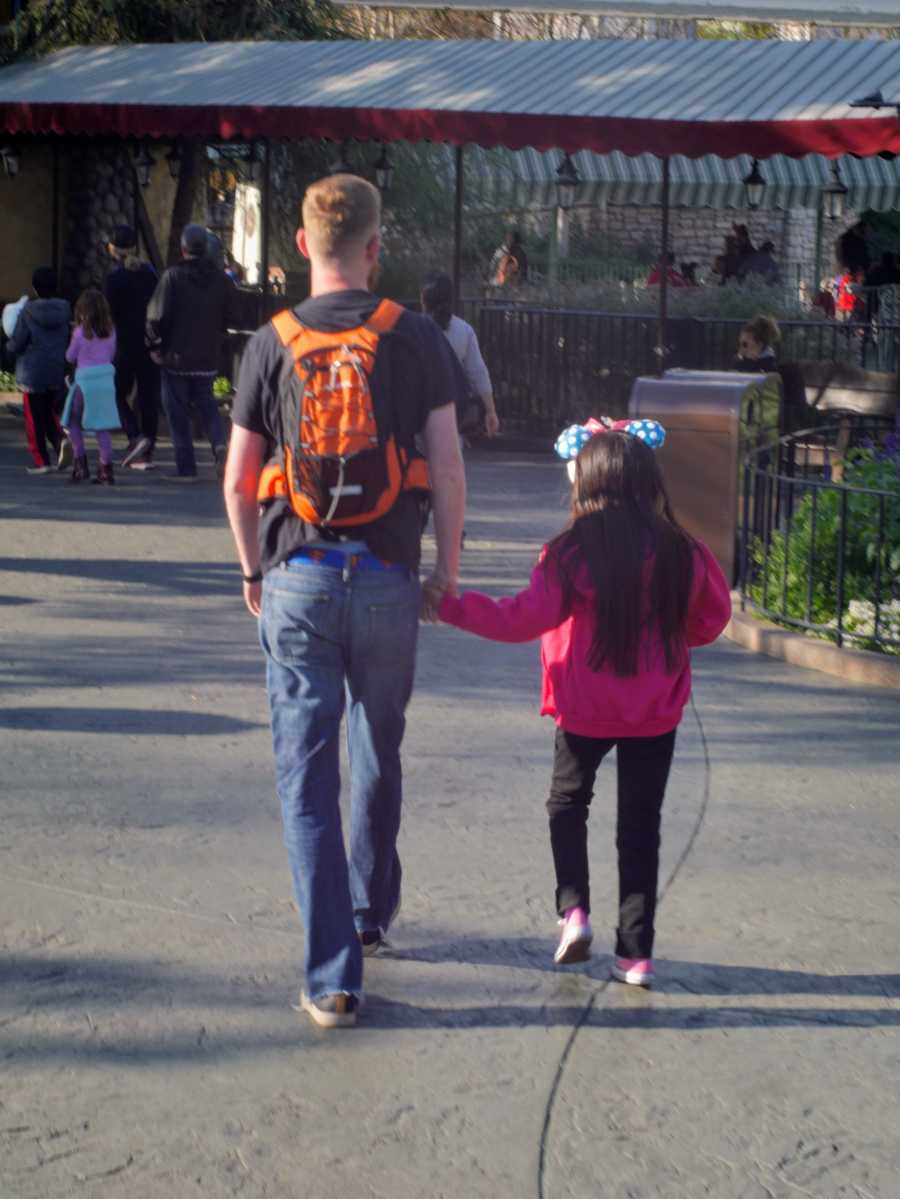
838 12
692 97
527 178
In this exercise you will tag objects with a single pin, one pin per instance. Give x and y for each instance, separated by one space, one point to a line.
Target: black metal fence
820 532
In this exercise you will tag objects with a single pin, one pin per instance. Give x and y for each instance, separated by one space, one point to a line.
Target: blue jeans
178 393
336 639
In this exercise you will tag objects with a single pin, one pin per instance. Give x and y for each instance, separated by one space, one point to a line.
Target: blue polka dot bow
571 441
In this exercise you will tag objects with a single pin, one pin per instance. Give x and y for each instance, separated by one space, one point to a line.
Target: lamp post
384 171
754 185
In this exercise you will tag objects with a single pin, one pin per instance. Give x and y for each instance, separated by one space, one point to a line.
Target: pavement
150 945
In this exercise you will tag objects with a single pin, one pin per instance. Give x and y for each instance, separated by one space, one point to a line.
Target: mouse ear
650 432
571 440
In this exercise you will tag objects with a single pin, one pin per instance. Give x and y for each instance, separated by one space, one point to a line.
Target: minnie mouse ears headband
571 440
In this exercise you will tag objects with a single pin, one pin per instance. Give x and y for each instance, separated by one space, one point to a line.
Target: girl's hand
253 598
432 593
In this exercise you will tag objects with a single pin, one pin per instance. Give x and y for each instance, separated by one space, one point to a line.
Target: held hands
433 590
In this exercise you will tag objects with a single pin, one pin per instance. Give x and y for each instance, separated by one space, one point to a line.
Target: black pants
144 376
643 770
44 422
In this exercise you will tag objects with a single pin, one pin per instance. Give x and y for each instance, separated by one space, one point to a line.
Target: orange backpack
334 467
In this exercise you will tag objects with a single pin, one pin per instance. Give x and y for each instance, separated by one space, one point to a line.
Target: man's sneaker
371 941
136 448
575 940
331 1011
176 478
46 469
144 464
64 457
637 971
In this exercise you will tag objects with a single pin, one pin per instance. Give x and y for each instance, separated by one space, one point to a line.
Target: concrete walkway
150 945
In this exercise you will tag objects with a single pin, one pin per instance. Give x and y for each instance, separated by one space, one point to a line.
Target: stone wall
99 195
698 234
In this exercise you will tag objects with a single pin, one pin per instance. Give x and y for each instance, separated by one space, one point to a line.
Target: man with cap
128 288
193 305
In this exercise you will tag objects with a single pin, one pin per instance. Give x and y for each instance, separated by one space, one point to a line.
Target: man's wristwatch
256 577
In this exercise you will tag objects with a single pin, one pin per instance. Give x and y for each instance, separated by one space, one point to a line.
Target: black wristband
256 577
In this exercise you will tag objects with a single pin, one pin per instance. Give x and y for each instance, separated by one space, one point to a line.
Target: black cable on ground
588 1007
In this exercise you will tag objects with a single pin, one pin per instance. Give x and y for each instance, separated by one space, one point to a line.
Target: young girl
618 599
91 402
756 346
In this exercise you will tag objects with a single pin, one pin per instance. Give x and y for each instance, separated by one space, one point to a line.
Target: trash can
711 419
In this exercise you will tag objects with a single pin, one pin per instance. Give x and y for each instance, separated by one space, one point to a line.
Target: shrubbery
802 564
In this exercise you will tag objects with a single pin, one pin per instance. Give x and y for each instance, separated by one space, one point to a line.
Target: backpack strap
385 317
286 326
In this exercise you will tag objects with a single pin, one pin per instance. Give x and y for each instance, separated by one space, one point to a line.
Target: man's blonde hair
340 213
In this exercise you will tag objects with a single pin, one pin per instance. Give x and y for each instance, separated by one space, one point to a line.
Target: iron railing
819 544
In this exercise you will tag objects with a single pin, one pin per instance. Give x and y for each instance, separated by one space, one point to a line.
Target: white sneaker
40 470
574 943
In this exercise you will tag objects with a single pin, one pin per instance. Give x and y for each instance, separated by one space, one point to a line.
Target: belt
338 560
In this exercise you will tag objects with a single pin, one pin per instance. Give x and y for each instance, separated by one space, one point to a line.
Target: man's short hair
338 212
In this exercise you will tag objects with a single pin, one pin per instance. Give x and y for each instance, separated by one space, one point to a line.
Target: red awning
675 97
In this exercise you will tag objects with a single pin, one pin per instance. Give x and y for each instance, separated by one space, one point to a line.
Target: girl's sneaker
575 940
637 971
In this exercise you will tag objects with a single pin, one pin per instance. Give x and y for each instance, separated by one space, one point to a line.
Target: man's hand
491 422
253 598
433 590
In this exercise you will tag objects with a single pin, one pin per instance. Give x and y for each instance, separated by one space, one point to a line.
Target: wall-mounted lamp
754 185
10 157
567 180
144 163
173 160
834 194
384 171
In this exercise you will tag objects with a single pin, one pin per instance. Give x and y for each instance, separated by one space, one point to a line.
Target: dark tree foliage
47 25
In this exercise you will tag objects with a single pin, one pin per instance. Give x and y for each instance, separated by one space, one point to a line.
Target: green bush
8 381
222 388
802 564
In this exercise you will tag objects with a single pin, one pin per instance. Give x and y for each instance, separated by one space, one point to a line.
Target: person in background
618 600
39 342
756 346
192 306
824 298
437 302
509 264
91 403
667 261
128 288
762 264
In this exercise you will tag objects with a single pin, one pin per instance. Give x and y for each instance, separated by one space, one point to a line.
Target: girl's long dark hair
437 298
92 312
621 519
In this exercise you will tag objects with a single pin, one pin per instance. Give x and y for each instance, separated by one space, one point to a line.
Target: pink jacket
581 700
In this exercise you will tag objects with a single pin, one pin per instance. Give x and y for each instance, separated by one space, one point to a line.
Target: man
193 305
129 287
339 611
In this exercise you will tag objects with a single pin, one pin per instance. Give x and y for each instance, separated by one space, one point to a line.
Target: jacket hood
49 314
200 271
